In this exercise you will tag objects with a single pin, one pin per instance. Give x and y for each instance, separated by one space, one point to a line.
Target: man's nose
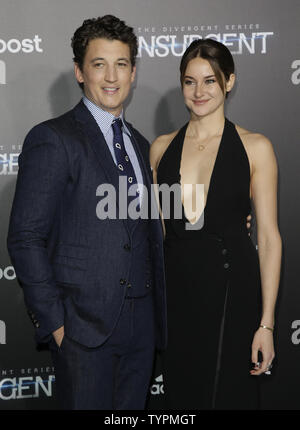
110 74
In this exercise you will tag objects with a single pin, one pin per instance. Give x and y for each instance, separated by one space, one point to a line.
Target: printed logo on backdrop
158 387
296 74
16 46
2 333
9 160
173 40
7 273
2 72
295 338
26 383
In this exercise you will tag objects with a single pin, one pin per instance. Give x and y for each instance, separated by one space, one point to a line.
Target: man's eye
122 64
99 64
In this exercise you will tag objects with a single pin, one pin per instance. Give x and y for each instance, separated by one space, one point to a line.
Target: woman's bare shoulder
254 142
159 146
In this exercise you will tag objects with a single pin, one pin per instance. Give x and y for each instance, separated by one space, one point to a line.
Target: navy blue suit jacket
68 261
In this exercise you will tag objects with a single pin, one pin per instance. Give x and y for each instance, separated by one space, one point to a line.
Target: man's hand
59 335
249 224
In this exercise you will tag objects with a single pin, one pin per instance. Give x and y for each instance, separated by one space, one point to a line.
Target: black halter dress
213 287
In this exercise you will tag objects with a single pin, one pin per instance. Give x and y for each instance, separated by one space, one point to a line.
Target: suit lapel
96 140
145 171
141 159
156 224
93 135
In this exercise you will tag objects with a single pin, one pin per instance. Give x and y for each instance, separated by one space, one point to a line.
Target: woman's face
201 90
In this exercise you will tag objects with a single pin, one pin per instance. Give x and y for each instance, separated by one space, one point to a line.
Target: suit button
224 251
148 285
122 281
129 285
37 324
226 265
127 247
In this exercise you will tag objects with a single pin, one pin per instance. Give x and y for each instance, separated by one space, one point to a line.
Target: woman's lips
200 102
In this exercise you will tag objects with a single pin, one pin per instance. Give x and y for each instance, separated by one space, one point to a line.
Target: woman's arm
264 195
157 150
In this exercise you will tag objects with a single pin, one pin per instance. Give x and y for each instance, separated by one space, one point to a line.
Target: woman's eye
188 82
210 81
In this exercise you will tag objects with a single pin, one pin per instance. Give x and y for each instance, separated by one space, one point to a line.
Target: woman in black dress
221 292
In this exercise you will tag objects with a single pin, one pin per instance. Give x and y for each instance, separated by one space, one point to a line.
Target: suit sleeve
42 177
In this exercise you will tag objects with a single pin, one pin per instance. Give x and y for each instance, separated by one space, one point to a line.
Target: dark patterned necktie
123 161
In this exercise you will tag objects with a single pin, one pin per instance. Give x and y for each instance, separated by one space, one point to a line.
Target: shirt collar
103 118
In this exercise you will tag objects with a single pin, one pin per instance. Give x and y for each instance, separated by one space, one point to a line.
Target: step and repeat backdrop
37 82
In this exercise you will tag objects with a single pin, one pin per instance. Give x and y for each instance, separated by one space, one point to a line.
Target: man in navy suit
93 286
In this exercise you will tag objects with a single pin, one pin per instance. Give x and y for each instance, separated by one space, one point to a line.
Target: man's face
107 74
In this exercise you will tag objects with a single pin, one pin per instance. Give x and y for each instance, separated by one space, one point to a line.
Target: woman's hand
263 342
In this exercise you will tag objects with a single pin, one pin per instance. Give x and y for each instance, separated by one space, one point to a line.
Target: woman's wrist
266 327
267 319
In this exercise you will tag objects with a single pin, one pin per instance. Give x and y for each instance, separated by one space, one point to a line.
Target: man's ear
133 73
78 73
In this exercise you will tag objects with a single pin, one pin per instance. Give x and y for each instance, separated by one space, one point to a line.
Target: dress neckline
213 173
